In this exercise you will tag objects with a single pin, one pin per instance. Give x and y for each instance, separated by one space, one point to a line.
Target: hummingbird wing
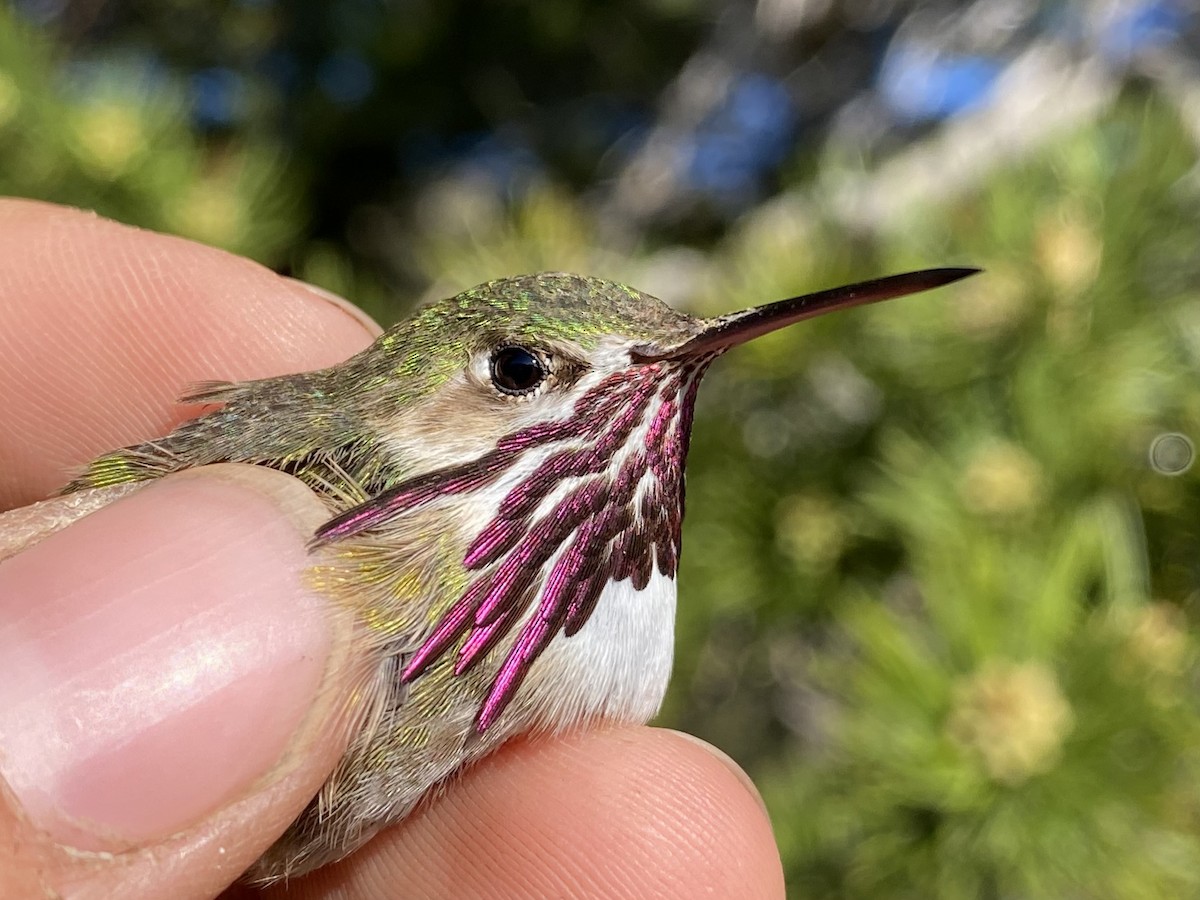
288 423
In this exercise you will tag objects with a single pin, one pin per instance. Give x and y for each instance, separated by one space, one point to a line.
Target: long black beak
736 328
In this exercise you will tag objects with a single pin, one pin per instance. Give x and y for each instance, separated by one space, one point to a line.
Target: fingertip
732 852
357 313
728 762
182 693
614 813
102 326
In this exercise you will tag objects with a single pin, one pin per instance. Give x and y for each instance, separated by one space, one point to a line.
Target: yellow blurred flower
810 529
1158 638
109 136
1001 479
209 211
998 305
1014 717
1068 251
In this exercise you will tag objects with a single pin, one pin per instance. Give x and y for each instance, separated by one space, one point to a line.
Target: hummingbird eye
516 370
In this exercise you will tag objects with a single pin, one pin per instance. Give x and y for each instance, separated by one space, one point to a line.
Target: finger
102 326
626 812
171 690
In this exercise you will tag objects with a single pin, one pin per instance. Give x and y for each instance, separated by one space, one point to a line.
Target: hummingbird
504 472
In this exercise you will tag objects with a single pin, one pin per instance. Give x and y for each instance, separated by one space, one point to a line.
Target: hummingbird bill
504 472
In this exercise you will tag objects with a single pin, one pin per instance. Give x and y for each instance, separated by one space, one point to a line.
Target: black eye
516 370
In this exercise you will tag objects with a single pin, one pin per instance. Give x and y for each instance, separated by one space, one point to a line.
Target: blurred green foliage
125 146
935 596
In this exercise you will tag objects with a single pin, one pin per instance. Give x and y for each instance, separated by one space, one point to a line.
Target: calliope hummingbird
504 474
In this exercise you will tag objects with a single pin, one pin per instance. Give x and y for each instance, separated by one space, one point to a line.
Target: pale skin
100 328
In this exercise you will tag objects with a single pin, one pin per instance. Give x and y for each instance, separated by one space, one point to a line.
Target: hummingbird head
562 406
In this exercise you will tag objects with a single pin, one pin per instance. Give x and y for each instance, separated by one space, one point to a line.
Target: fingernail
26 525
728 762
158 655
343 304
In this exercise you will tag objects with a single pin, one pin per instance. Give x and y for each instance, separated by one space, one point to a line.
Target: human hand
169 686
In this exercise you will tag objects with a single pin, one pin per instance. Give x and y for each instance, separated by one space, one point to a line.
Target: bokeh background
942 557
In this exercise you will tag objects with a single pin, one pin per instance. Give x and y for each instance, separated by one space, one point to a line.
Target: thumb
172 693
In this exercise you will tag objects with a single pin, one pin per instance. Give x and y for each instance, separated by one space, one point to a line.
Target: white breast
616 667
